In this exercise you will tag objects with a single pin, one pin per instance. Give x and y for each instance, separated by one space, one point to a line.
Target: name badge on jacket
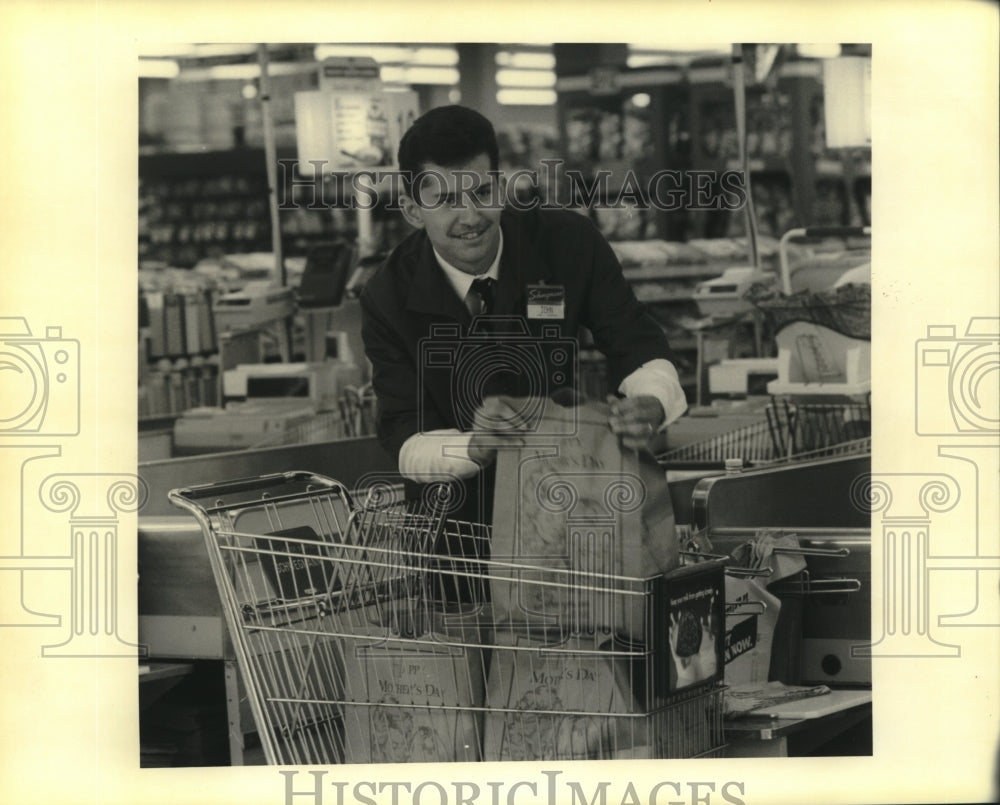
546 302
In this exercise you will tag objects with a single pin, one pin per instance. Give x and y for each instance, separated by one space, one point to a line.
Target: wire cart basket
791 431
365 633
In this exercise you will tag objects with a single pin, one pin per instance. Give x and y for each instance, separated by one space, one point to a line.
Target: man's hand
494 418
635 419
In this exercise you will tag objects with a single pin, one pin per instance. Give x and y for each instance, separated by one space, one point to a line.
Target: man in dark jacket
541 275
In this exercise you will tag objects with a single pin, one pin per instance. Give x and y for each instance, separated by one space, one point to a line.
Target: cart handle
811 232
254 484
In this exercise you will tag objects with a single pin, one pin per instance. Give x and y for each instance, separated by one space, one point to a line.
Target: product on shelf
637 137
609 132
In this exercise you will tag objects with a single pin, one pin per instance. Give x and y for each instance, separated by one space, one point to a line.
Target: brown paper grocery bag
413 698
577 520
551 702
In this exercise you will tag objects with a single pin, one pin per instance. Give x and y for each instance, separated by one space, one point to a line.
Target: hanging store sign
350 123
349 74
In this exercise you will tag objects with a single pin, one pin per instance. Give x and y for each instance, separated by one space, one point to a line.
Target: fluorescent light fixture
431 75
441 57
821 50
191 50
526 60
525 78
165 50
392 74
384 54
526 97
393 54
243 72
158 68
225 49
682 47
671 54
651 60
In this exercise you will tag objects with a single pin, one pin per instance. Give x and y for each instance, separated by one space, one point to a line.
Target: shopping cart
364 633
791 430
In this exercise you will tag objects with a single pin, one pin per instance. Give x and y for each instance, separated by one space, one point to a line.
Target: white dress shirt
426 456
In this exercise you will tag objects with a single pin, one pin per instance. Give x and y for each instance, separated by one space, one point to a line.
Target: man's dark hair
447 136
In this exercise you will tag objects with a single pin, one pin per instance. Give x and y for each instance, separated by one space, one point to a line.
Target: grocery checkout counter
181 620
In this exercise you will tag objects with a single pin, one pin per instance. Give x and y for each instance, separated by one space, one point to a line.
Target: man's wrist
480 451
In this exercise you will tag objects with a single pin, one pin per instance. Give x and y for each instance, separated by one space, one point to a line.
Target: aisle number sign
350 123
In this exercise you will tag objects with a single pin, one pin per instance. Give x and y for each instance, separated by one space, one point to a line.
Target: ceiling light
243 72
392 74
228 49
161 50
384 54
526 60
525 78
431 75
158 68
526 97
683 47
444 57
822 50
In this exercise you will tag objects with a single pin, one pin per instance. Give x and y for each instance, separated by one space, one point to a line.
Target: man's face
459 208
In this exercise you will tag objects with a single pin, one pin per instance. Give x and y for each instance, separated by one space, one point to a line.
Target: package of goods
414 696
725 296
719 248
689 623
577 521
551 702
774 550
845 309
683 254
640 252
256 304
749 637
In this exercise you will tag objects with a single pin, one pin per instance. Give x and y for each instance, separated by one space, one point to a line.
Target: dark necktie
483 288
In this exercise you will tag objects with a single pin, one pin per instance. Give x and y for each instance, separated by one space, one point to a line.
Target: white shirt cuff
659 379
425 457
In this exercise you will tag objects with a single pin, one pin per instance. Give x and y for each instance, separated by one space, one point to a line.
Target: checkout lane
181 620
